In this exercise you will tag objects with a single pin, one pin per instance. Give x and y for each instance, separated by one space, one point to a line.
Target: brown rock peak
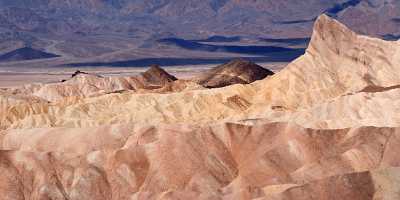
238 71
241 66
157 75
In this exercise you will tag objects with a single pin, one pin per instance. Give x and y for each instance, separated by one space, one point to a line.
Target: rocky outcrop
157 76
238 71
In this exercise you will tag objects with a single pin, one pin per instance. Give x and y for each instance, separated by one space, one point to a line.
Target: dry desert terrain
326 127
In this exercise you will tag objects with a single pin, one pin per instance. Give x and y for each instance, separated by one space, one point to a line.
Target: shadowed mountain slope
26 53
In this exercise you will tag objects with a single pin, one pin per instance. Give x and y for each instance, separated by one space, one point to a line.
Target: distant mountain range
102 29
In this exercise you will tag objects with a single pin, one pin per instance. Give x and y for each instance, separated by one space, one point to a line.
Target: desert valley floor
324 127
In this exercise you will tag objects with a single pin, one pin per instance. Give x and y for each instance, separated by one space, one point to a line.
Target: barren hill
238 71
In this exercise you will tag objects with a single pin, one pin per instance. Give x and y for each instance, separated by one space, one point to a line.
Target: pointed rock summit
337 62
157 76
237 71
330 34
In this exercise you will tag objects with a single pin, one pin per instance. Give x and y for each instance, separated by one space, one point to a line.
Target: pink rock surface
227 161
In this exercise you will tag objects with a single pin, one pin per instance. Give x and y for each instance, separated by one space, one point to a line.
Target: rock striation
326 127
270 161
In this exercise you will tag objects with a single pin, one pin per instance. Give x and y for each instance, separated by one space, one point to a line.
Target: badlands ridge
325 127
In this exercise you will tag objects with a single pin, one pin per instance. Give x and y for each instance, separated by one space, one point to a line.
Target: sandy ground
11 78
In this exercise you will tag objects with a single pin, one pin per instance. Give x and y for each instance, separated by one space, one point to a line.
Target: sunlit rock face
325 127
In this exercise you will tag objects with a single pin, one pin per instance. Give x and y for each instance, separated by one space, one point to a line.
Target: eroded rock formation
325 127
82 84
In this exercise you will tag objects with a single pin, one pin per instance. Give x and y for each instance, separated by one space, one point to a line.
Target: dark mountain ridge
26 53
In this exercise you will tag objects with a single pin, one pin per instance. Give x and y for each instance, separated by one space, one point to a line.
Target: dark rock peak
238 71
158 76
242 66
